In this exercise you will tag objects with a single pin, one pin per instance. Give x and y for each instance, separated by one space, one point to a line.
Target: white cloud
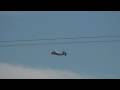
9 71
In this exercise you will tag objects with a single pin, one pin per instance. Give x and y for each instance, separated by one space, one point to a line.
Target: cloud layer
9 71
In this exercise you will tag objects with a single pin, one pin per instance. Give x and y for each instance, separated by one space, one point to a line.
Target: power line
59 38
59 43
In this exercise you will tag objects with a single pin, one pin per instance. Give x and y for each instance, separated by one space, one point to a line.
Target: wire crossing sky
111 39
59 43
62 38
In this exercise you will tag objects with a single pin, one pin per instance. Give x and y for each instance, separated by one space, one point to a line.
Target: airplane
58 53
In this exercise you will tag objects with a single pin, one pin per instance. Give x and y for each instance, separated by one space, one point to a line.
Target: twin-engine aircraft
58 53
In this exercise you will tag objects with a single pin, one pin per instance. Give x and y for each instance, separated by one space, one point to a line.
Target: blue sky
90 58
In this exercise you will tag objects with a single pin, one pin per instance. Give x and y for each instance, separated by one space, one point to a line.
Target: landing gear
64 53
